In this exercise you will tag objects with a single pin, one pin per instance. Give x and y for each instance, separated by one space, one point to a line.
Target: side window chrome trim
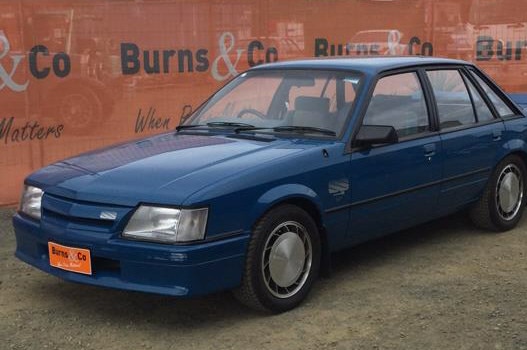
402 140
470 126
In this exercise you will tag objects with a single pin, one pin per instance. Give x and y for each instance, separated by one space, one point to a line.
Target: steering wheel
251 111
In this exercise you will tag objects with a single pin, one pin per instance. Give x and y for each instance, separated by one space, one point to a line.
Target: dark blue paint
358 193
480 144
391 169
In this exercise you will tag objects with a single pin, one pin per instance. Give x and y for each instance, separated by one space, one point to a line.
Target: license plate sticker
69 258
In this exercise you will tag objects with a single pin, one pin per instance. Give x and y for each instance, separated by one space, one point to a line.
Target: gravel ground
443 285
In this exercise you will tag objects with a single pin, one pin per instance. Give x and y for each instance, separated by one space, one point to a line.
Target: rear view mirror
375 134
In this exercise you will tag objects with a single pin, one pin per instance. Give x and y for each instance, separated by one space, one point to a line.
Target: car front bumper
178 270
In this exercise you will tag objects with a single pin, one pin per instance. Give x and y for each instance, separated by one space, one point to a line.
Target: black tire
488 213
277 229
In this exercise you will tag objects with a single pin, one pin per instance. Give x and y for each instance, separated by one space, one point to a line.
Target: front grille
81 215
78 222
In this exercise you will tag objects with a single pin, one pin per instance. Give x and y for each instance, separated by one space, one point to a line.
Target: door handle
430 150
430 153
496 135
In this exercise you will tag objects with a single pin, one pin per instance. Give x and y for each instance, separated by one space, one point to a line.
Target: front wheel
501 206
283 260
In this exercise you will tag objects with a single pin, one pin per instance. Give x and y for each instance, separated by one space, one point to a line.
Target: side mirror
376 134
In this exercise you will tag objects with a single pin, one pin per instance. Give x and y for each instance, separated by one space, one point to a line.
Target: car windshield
311 102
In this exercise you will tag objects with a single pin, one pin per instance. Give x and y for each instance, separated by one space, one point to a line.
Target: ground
443 285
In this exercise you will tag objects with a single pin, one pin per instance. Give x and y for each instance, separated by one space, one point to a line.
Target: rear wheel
501 206
283 260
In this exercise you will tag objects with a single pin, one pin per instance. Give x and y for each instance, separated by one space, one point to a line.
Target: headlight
167 225
31 201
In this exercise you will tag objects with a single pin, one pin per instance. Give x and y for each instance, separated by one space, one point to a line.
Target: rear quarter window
500 105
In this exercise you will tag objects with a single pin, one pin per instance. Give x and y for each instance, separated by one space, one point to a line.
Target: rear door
397 185
470 135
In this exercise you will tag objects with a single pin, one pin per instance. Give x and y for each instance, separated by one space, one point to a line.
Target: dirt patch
443 285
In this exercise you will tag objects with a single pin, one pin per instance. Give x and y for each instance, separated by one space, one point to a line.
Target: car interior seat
312 111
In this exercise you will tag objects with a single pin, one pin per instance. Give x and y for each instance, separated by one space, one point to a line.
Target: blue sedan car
286 164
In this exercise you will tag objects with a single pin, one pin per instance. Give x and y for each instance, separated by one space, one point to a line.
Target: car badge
108 215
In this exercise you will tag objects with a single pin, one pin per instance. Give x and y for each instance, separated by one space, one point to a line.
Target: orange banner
77 75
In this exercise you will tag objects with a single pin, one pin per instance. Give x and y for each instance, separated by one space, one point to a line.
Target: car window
454 106
499 104
293 98
321 87
483 112
398 101
300 108
325 87
262 92
349 90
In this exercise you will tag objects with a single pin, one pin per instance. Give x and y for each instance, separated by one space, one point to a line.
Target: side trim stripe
408 190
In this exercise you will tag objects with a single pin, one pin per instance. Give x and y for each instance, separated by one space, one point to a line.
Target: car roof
372 65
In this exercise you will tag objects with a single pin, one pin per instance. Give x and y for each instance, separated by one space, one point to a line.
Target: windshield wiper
235 125
249 128
181 127
291 128
304 129
215 125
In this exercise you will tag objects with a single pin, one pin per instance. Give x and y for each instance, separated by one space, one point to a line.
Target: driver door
395 186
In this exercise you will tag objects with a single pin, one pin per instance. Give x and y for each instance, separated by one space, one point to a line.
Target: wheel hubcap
509 192
286 261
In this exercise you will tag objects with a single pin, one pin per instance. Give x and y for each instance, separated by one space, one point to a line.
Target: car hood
165 169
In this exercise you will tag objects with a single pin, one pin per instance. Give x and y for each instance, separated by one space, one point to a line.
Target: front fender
281 194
